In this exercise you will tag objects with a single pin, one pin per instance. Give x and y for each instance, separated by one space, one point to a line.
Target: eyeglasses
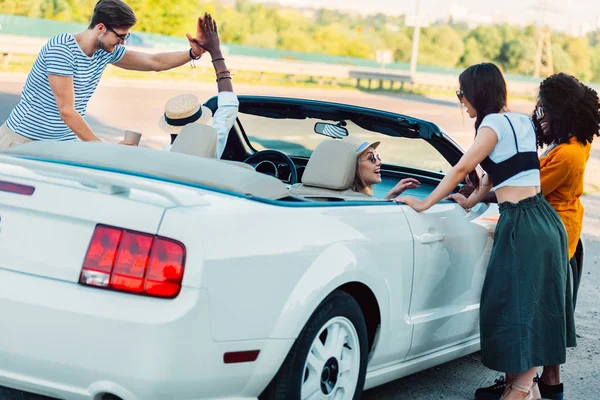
373 157
460 94
122 37
539 112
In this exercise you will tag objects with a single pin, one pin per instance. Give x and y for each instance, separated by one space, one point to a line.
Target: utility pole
543 56
415 40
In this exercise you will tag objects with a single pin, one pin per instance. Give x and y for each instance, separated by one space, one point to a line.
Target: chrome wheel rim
333 362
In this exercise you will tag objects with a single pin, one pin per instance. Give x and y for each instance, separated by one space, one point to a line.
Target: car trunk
48 216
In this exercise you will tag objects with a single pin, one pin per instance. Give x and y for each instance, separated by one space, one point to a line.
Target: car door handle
427 238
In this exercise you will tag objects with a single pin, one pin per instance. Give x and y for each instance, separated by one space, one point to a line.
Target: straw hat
182 110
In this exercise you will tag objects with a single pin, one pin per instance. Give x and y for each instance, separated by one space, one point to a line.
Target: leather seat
329 173
200 140
196 140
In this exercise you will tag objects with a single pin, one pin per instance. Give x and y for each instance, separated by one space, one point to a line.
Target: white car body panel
451 255
70 341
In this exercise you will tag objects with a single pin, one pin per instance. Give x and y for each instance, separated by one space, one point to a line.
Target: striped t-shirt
36 116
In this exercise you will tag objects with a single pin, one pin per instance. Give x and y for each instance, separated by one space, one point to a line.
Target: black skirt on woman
523 305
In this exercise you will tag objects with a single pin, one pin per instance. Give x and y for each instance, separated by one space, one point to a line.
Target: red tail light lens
16 188
133 262
166 268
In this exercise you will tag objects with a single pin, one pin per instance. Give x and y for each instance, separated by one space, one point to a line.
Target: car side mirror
331 130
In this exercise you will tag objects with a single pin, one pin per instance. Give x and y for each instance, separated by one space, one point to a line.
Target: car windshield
297 137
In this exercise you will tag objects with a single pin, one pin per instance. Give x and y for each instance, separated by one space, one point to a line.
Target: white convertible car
139 274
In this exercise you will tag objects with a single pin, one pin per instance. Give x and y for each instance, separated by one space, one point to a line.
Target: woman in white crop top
528 263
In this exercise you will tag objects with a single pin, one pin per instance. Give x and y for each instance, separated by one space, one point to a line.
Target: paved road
116 107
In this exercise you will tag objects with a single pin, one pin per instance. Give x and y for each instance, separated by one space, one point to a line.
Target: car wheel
329 358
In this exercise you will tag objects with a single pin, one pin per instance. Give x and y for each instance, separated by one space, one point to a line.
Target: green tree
233 27
446 47
342 34
526 63
399 43
28 8
473 53
296 41
266 40
561 62
579 52
489 39
596 63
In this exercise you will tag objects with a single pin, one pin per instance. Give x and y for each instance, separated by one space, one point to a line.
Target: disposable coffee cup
133 136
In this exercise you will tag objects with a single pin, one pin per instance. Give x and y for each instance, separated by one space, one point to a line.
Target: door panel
451 256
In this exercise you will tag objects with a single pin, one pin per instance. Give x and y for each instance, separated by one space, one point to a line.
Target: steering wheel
269 155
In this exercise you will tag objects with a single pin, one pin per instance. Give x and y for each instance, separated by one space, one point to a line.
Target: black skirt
523 314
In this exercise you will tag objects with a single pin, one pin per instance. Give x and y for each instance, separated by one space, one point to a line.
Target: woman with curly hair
566 119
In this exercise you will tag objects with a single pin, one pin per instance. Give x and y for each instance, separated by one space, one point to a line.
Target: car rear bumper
64 340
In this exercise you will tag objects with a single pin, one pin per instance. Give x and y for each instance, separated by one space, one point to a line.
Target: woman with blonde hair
368 172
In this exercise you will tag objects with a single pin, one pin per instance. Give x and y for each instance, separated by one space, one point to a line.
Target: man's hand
207 36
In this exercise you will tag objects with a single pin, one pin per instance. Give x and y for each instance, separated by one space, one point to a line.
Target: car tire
329 355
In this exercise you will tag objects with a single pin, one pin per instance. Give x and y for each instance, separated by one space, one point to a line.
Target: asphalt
120 105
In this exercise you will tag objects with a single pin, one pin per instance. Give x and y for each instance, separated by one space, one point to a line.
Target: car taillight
16 188
133 262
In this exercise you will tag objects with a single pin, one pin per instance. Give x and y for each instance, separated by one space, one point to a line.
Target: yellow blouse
562 172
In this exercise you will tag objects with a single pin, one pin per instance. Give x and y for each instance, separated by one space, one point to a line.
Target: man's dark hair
571 108
114 14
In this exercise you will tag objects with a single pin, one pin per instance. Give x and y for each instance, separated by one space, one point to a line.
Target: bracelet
191 52
223 77
223 71
218 59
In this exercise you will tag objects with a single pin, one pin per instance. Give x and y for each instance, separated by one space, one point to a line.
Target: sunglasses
122 37
460 94
539 112
373 157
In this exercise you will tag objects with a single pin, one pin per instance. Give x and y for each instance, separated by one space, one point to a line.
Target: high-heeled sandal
531 395
535 391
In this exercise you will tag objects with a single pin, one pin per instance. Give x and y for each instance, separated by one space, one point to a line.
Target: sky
565 16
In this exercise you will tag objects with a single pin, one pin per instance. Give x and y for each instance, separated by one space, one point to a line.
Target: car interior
327 172
320 171
327 175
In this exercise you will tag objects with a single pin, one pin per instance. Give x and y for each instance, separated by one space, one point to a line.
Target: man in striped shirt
68 70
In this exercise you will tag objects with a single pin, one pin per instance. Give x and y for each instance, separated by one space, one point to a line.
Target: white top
36 116
223 119
506 147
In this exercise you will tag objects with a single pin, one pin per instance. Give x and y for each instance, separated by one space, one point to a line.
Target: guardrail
10 44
